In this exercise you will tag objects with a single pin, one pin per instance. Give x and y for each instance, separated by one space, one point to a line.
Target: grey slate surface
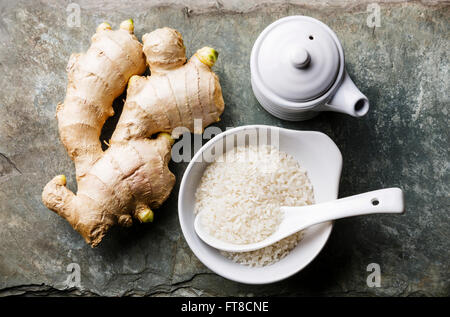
402 66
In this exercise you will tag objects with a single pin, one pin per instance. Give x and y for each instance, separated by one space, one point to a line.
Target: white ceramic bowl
321 158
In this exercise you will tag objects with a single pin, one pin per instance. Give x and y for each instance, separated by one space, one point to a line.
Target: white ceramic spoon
388 200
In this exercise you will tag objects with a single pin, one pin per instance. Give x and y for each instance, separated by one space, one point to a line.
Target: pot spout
348 99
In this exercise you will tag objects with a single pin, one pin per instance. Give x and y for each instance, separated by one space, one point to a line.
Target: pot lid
297 58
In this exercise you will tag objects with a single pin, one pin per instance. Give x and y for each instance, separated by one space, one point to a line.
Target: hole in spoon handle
389 200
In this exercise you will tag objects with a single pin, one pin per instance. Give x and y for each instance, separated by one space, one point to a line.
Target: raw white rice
240 195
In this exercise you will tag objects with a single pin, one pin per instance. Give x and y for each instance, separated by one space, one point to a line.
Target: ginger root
175 94
131 177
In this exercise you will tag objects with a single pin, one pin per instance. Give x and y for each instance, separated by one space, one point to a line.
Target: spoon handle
389 200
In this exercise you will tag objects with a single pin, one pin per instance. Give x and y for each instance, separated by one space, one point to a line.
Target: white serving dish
321 158
297 70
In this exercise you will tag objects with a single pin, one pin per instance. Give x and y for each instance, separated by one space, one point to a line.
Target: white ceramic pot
297 70
315 152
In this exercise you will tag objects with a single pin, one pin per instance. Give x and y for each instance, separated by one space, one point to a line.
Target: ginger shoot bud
127 25
145 215
207 56
103 26
168 137
62 180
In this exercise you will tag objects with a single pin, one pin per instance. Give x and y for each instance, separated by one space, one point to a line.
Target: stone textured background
402 67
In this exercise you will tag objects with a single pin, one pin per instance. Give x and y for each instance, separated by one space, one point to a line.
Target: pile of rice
240 195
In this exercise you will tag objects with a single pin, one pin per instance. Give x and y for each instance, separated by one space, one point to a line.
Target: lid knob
296 60
300 57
